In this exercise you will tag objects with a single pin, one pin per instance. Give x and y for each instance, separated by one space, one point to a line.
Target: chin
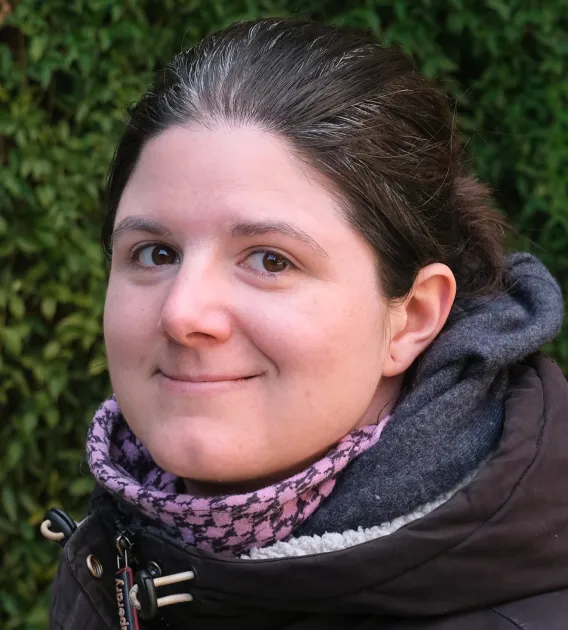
204 464
205 449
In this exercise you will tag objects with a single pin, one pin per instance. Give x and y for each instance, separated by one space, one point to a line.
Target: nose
196 306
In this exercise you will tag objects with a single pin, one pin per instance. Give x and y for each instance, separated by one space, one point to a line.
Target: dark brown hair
357 113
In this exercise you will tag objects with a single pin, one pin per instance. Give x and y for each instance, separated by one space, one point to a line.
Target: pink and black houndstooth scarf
230 525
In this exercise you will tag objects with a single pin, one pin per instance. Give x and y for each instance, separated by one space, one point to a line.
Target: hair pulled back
357 113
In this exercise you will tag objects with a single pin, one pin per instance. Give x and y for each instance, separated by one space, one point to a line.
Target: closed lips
205 378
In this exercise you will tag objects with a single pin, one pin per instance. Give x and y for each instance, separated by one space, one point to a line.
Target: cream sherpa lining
312 545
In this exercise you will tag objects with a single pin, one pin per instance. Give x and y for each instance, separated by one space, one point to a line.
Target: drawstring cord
58 526
164 581
45 529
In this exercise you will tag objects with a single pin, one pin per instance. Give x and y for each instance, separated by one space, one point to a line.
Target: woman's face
244 329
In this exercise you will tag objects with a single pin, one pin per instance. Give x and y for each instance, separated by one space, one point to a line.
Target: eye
269 262
155 255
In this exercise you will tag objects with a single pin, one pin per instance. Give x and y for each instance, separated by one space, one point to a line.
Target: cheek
322 336
127 325
328 353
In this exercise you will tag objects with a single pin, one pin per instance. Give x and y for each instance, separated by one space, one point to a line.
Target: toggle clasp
143 595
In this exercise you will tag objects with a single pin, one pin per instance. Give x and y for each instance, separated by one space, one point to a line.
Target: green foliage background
68 68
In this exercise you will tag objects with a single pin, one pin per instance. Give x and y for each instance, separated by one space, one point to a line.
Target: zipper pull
123 581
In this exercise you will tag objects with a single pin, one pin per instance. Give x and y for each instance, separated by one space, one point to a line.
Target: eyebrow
243 229
260 228
139 224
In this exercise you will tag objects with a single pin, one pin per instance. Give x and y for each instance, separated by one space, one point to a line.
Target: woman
330 410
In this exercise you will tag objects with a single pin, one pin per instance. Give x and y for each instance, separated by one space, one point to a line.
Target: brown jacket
494 557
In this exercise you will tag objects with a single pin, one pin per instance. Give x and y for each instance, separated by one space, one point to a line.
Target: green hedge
68 68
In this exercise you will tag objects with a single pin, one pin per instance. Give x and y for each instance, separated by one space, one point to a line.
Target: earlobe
416 323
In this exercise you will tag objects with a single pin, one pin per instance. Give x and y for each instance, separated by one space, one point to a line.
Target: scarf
229 525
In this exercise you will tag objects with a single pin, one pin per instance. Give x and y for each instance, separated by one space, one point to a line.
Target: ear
415 323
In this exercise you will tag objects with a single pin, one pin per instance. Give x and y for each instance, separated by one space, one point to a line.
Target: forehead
222 153
199 167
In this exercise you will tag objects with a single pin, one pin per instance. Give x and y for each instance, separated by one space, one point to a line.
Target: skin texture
191 306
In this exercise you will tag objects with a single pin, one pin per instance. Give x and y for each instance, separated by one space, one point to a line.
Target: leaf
81 486
82 111
38 617
7 527
27 245
9 604
52 418
45 195
37 47
51 350
29 423
97 366
28 502
12 339
17 307
9 503
48 307
14 453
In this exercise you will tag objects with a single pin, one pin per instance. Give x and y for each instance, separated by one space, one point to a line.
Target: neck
379 408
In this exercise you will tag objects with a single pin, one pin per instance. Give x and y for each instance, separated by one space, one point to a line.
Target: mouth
203 383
